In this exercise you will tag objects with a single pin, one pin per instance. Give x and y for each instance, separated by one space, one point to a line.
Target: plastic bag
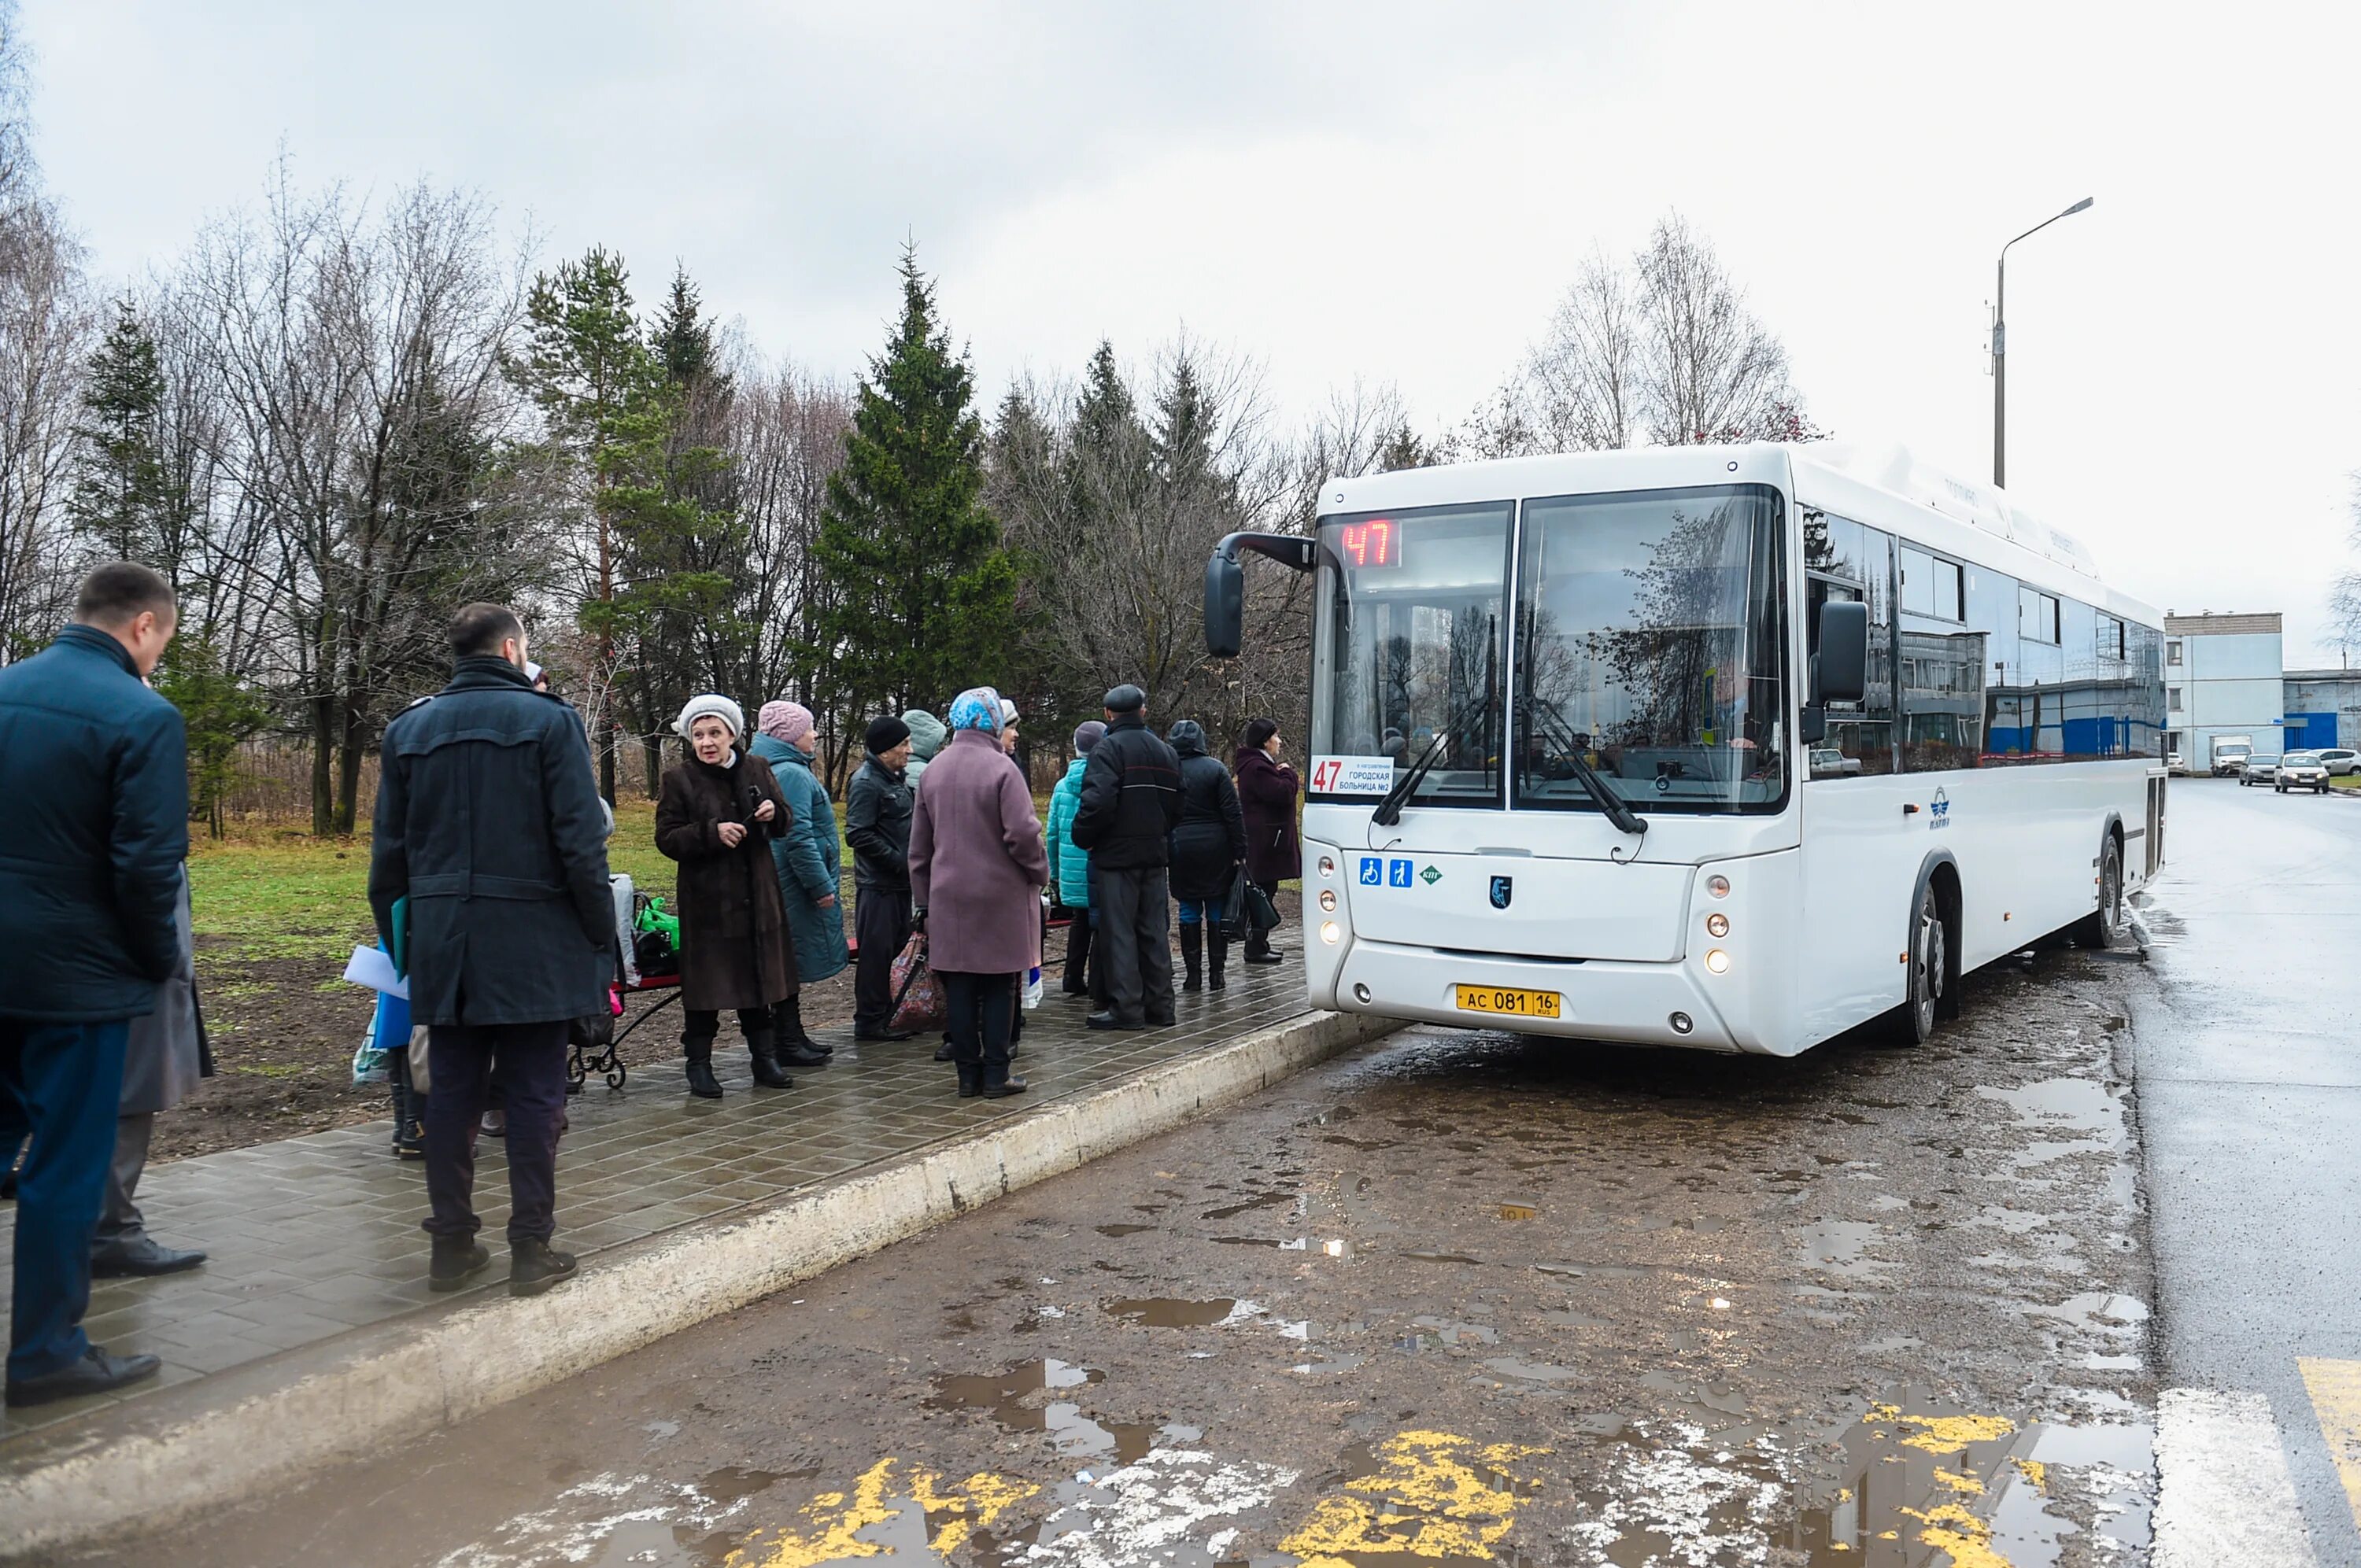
1033 988
919 1005
370 1065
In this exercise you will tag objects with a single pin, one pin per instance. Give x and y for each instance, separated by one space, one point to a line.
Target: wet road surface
1457 1298
2249 1072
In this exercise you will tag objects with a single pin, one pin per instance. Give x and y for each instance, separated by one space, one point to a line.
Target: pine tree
924 592
118 499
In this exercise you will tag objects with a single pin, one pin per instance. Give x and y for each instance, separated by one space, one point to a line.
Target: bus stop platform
316 1238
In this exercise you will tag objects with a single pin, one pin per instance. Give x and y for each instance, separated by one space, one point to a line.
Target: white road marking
2224 1493
1153 1510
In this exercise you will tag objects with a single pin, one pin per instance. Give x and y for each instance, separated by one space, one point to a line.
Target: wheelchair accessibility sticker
1378 872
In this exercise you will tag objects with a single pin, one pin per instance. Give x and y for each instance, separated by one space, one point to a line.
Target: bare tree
1583 380
1708 370
46 327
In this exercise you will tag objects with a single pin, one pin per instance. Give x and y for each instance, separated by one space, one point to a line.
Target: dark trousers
60 1085
881 923
1078 952
1134 931
120 1222
981 1010
1260 941
532 1061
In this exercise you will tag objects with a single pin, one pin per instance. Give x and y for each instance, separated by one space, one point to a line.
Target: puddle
1529 1371
1453 1333
1841 1246
1520 1212
1337 1361
1171 1312
1268 1201
2078 1105
1442 1257
1123 1230
1007 1398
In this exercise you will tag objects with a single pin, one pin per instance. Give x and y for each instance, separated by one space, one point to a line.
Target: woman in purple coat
1266 794
977 868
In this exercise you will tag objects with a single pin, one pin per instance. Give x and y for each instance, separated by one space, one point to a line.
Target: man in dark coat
877 825
489 827
1131 802
94 766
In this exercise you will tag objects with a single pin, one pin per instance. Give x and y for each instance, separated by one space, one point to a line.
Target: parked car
2302 770
1827 763
2176 764
2341 762
2258 768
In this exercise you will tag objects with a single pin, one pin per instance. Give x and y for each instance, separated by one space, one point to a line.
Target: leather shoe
1005 1088
1267 956
96 1373
800 1055
138 1257
1109 1020
535 1266
453 1265
944 1052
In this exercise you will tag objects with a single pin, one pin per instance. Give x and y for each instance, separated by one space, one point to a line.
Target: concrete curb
232 1437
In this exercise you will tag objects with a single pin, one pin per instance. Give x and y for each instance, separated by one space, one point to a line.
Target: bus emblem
1938 812
1503 889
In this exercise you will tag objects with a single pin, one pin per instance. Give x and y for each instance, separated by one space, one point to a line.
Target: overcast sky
1392 192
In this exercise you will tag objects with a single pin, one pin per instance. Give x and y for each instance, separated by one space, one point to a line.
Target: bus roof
1833 475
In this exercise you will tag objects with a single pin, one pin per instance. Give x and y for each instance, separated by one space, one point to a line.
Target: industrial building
2223 675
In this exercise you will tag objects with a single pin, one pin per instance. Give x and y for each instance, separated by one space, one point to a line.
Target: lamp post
2000 346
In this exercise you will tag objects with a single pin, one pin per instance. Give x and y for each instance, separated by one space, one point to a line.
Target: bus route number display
1376 542
1352 775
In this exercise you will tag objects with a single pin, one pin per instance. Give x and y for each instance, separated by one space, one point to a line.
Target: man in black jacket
877 825
1131 801
93 767
489 824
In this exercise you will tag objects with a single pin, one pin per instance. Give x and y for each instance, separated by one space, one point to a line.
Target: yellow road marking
2336 1391
834 1522
1435 1495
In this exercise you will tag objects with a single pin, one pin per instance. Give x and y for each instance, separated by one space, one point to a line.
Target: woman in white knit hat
718 811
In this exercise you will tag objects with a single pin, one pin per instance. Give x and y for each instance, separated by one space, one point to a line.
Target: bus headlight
1327 865
1716 924
1716 961
1328 900
1329 932
1717 885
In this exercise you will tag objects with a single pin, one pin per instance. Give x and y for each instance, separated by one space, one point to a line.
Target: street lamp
2000 347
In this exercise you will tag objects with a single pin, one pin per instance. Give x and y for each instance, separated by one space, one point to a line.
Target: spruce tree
922 591
119 496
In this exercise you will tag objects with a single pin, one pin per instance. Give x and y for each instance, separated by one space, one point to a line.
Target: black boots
1009 1085
971 1077
455 1258
701 1082
765 1057
1192 958
534 1266
1217 958
796 1048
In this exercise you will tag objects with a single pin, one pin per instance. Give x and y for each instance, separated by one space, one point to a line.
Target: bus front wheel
1913 1023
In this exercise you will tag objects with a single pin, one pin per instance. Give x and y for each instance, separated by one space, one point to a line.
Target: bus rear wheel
2097 929
1913 1023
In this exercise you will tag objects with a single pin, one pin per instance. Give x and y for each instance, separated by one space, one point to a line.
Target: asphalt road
1457 1298
2249 1074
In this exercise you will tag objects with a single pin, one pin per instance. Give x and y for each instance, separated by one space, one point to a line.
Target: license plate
1513 1003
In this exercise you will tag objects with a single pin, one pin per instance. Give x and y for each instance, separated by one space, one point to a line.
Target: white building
2221 676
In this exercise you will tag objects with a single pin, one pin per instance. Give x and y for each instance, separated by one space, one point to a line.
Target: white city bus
1724 747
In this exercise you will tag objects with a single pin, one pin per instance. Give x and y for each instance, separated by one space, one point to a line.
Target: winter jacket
877 826
1266 793
489 821
1069 865
93 767
733 938
1209 840
809 860
928 734
1131 799
977 865
166 1054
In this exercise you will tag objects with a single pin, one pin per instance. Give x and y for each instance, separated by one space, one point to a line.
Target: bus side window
1858 738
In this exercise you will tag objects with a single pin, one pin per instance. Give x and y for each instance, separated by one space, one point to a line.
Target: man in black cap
877 826
1131 800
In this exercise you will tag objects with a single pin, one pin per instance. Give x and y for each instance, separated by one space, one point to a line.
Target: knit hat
1259 734
927 732
1126 698
715 706
1008 713
787 721
886 732
978 707
1087 735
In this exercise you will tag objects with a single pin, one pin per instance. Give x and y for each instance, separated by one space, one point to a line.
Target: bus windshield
1650 639
1646 640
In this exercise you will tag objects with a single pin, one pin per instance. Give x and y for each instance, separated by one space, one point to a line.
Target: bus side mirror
1841 668
1225 608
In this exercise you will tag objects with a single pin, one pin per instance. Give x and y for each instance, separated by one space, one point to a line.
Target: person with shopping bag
977 869
718 813
1267 791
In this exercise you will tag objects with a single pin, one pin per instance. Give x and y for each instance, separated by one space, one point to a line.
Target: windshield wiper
1617 809
1390 809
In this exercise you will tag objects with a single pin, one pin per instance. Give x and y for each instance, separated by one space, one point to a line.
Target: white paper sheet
372 967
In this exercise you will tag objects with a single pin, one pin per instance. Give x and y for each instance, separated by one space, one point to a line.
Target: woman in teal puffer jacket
1069 867
809 858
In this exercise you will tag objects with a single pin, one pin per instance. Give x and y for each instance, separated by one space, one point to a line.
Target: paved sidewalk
312 1236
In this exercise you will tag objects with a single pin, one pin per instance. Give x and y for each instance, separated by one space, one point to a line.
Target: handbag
919 1005
1262 914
